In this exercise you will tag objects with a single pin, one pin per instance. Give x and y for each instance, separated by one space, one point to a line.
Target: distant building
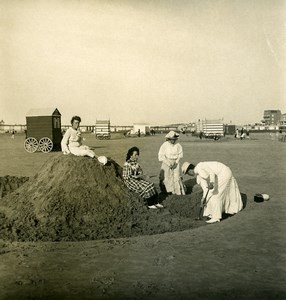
271 117
283 119
142 128
2 123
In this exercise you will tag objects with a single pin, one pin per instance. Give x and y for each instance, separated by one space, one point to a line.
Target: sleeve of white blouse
64 142
203 183
205 172
162 155
180 153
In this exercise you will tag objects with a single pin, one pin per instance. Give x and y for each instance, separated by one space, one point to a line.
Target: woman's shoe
159 205
152 206
213 221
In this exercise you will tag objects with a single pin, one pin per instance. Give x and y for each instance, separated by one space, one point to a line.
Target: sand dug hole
76 198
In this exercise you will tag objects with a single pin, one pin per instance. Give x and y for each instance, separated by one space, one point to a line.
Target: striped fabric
142 187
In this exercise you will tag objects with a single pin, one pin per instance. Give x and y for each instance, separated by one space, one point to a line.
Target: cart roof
50 111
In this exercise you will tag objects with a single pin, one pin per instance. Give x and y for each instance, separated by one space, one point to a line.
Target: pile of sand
9 184
77 198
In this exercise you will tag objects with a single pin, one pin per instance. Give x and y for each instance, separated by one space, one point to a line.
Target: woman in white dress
72 140
223 195
170 154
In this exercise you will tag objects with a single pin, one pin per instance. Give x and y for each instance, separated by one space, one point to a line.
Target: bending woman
223 196
170 154
134 179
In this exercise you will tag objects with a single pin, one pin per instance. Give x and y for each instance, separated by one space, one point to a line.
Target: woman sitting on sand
72 140
135 180
170 154
223 194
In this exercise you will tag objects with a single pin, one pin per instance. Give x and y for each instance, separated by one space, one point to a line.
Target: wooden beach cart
43 130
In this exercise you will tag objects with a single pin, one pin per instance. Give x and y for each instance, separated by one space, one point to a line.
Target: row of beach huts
44 130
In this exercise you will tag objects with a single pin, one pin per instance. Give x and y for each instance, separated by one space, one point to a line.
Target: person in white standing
223 195
170 154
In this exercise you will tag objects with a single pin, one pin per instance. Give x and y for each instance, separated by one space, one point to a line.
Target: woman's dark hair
77 118
130 152
190 167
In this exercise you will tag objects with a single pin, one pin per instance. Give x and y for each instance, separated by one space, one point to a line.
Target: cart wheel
45 145
31 145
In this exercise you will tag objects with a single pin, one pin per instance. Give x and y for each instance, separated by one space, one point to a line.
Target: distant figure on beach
13 134
247 133
135 180
139 133
72 140
236 135
242 134
219 185
170 154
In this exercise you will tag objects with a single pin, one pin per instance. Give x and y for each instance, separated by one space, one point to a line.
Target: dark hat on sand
258 198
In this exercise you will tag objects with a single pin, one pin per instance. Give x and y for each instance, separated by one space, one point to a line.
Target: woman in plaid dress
134 179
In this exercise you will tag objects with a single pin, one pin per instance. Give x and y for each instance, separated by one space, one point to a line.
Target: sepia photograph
142 149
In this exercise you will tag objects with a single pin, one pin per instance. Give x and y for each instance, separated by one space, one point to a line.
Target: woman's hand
174 166
210 185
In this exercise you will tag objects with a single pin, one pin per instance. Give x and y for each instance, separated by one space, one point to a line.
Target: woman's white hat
172 135
185 167
102 160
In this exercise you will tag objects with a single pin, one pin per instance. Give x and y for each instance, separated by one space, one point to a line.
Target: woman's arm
79 137
65 142
139 171
206 173
180 153
126 172
204 185
162 155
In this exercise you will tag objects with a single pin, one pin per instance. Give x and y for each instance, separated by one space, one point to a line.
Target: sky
158 62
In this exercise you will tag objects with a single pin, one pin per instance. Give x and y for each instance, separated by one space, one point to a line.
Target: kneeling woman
223 195
134 179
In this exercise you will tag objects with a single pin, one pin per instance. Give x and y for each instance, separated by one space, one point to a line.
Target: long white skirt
225 197
82 151
172 179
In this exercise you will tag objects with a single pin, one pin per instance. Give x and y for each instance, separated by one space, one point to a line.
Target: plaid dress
142 187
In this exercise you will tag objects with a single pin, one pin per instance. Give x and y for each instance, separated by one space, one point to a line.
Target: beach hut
43 130
102 129
212 128
141 128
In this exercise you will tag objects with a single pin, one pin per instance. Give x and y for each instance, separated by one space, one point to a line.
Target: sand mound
76 198
9 184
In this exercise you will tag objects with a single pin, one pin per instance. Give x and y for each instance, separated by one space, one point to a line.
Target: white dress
72 143
225 197
168 155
